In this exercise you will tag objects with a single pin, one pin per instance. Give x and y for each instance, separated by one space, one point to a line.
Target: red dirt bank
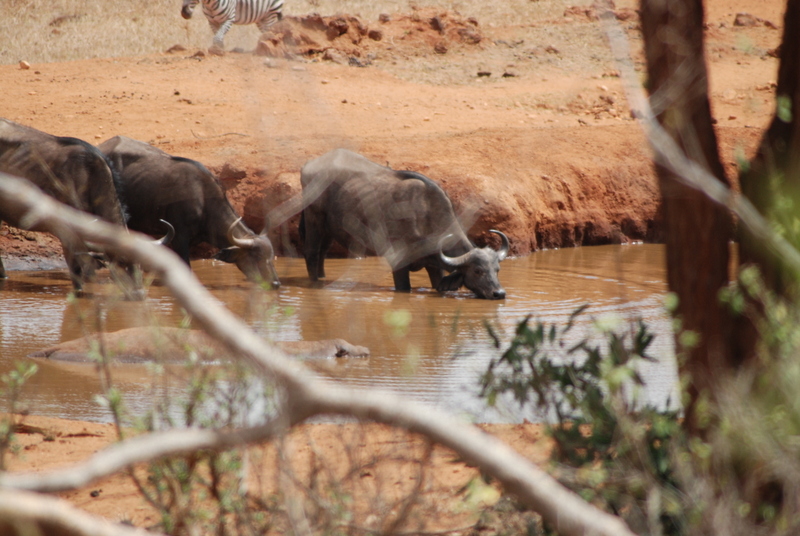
547 153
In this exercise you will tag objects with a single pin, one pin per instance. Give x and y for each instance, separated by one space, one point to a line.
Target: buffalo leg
181 248
315 246
325 244
435 274
402 281
314 263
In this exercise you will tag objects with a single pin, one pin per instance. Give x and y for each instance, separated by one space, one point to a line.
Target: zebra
221 14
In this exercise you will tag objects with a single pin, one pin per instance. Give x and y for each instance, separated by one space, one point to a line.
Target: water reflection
437 358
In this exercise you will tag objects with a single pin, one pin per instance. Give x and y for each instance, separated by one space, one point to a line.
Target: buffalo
400 215
74 173
184 193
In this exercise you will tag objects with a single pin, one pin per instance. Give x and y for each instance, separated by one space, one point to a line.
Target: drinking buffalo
400 215
71 171
184 193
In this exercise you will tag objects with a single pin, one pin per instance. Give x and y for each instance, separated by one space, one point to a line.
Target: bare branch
139 449
307 396
23 512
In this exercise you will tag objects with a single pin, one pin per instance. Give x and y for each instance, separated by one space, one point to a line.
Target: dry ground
543 147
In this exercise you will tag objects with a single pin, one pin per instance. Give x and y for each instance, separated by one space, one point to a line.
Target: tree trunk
697 229
773 177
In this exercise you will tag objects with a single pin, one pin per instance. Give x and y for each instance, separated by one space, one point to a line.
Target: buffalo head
253 255
477 270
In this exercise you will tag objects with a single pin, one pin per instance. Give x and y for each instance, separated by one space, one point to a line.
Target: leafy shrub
608 447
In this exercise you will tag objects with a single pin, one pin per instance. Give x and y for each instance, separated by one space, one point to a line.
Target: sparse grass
40 31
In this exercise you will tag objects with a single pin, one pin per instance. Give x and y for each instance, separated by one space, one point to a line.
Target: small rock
552 50
440 47
471 36
338 26
745 19
175 48
384 17
375 35
355 62
323 81
484 73
731 117
24 65
510 74
438 24
199 54
331 54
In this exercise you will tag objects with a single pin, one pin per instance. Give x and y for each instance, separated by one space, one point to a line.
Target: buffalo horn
244 243
502 253
452 261
166 239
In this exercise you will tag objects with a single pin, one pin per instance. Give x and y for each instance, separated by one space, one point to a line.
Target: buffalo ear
228 255
453 281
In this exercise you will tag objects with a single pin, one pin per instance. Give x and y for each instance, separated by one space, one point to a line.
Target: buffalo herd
367 208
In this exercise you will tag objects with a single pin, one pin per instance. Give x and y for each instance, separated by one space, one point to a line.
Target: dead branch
23 512
306 396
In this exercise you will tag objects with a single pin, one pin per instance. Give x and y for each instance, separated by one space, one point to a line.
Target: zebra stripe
221 14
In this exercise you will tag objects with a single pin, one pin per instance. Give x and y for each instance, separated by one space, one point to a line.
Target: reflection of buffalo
143 344
69 170
184 193
400 215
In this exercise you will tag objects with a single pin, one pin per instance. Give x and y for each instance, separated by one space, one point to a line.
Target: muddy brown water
425 346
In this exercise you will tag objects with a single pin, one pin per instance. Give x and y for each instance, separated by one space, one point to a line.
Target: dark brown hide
184 193
72 172
400 215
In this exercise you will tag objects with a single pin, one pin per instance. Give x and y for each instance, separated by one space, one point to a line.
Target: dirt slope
525 126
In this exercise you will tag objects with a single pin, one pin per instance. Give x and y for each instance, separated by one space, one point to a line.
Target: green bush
609 447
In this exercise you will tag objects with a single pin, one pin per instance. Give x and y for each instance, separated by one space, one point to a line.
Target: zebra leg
218 47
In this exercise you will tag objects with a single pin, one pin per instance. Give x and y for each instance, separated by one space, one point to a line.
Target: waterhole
426 346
